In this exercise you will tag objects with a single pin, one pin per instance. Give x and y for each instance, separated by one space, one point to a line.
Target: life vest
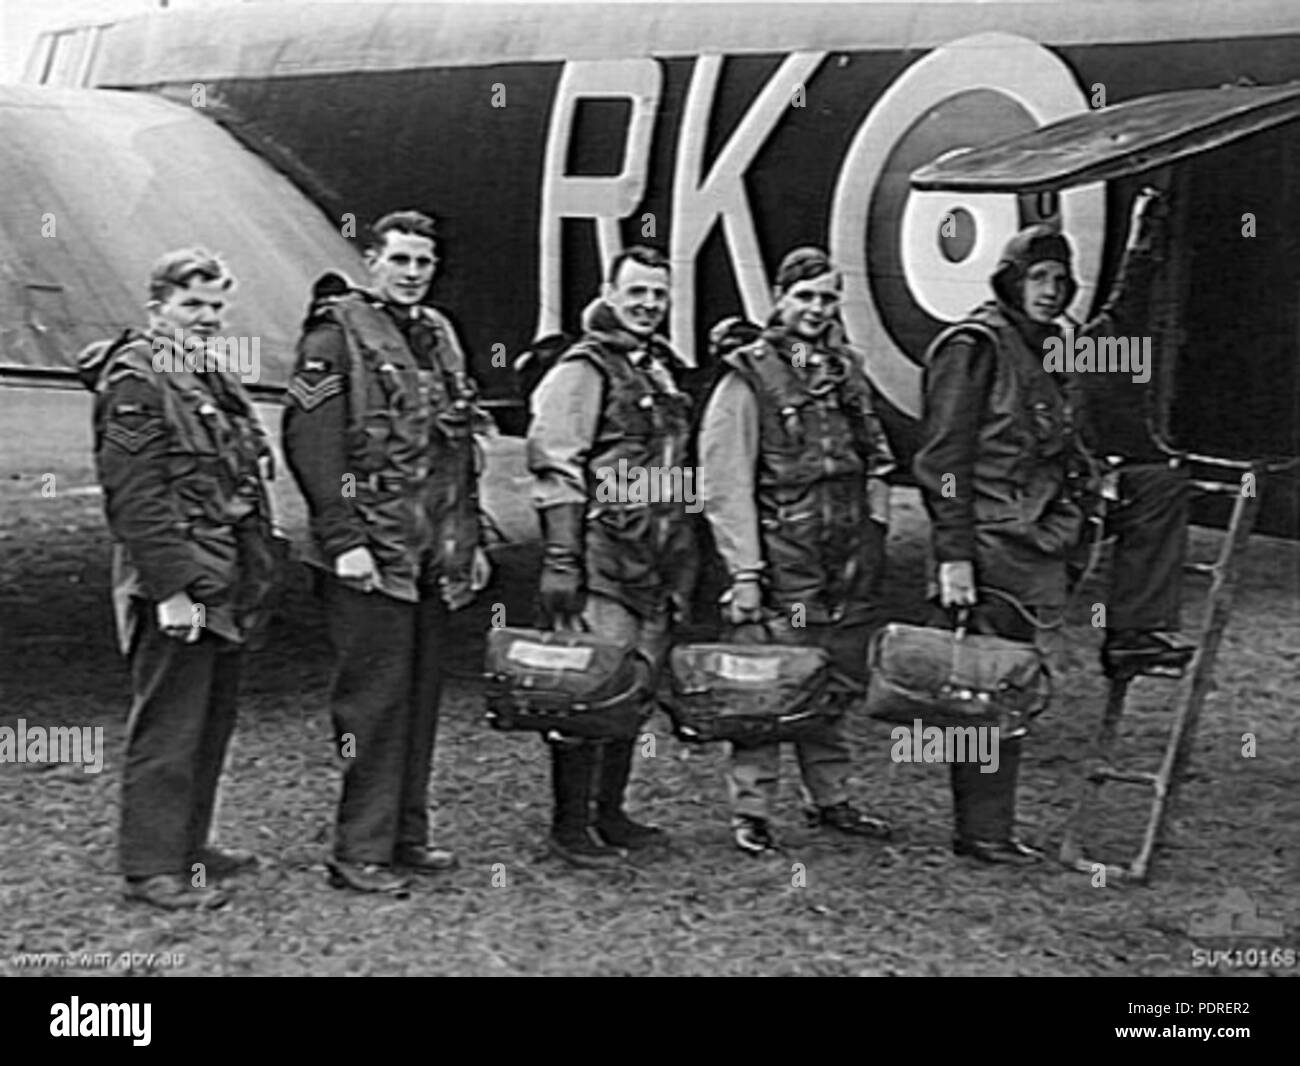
1025 522
640 545
1027 429
410 443
215 440
819 441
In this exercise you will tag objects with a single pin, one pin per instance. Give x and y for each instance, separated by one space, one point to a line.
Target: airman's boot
612 823
572 837
1130 652
984 810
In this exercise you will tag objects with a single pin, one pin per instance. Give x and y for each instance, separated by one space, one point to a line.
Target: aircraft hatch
1225 309
1114 142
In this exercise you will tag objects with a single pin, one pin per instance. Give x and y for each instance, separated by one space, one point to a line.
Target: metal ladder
1195 680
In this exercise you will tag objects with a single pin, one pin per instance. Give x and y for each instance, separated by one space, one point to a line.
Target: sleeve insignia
134 440
309 397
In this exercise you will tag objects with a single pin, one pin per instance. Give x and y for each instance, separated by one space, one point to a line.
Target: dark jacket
999 435
177 454
996 430
378 433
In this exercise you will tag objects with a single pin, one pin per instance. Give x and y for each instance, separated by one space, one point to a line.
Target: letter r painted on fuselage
605 198
700 199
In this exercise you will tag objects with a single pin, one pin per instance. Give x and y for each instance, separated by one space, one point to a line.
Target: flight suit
1019 450
611 403
1000 437
378 432
789 447
997 495
178 455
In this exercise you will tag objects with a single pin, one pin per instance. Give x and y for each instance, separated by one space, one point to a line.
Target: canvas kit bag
751 693
573 683
951 677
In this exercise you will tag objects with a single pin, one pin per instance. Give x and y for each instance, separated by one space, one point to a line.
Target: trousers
825 761
984 805
609 763
1150 526
181 720
384 705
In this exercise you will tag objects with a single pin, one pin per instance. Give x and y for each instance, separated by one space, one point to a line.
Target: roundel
914 262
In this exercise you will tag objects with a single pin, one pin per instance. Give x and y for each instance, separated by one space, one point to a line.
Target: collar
601 322
652 354
164 343
784 342
170 358
405 315
401 314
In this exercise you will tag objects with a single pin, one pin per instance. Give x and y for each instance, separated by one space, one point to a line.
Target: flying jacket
378 433
999 434
177 454
1005 507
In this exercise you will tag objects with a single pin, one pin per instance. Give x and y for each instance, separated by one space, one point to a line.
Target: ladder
1195 680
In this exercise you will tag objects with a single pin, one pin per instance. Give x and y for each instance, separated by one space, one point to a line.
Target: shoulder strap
327 289
129 359
586 350
445 333
344 310
764 371
94 359
978 329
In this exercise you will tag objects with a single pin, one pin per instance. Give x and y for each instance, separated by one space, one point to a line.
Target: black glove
562 592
